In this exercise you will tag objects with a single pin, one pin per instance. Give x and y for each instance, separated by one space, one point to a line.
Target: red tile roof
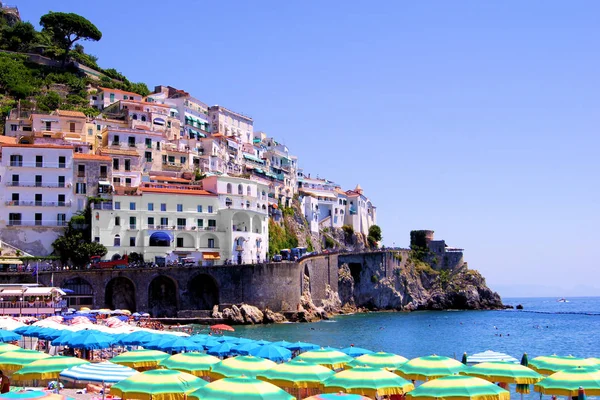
192 192
169 179
40 146
69 113
7 140
91 157
103 89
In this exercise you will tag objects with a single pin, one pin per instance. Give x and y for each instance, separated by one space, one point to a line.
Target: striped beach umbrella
429 367
97 372
15 360
367 381
47 368
336 396
329 358
241 388
273 353
6 347
490 356
522 388
505 372
567 382
594 360
356 351
297 374
550 364
249 366
378 360
157 384
197 364
34 395
140 358
459 387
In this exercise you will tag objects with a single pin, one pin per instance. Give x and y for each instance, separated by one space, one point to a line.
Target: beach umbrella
550 364
429 367
300 346
249 366
34 395
49 333
158 384
595 361
490 356
378 360
367 381
5 347
137 338
47 368
262 342
199 337
7 336
197 364
523 388
15 360
297 374
140 358
336 396
355 351
567 382
245 349
64 338
22 330
459 387
106 372
329 358
179 345
221 350
91 340
227 339
505 372
273 353
282 343
464 358
241 388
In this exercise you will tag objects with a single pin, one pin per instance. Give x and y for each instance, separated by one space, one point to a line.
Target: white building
360 211
166 222
106 96
231 124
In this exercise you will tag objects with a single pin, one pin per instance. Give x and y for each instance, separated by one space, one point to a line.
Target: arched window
134 116
117 241
248 191
228 202
264 207
240 189
229 189
264 195
143 118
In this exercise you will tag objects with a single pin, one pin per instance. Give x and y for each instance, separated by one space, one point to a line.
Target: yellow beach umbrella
157 384
367 381
47 368
14 360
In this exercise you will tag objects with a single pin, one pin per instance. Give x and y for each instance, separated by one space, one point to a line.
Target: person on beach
4 383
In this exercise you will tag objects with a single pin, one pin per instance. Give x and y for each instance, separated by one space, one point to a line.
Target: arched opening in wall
185 240
80 292
115 257
306 280
162 297
26 140
160 239
256 224
120 294
355 270
241 222
202 292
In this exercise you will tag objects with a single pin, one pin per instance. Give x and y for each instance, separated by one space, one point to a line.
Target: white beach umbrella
490 356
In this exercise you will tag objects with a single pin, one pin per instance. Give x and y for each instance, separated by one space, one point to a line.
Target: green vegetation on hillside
281 237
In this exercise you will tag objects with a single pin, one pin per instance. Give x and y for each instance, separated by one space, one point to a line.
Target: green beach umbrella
47 368
241 388
249 366
14 360
6 347
594 360
367 381
297 374
197 364
157 384
464 358
329 358
504 372
523 388
567 382
140 358
429 367
550 364
459 387
378 360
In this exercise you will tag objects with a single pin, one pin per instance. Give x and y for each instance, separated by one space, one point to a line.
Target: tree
73 247
19 37
375 233
67 28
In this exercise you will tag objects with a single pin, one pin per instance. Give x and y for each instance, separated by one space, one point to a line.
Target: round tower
428 236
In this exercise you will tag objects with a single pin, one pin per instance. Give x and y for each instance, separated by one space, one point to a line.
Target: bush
329 243
348 233
49 102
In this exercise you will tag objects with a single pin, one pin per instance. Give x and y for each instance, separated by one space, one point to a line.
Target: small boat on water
562 300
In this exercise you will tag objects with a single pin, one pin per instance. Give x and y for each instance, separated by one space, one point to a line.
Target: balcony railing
36 223
103 206
182 228
133 226
38 203
36 184
39 165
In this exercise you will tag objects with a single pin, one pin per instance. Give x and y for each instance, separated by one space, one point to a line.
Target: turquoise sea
544 327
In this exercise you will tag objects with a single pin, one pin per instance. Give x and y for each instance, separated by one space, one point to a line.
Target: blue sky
476 119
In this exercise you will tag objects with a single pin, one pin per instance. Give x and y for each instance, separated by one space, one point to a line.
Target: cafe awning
11 292
105 183
42 291
10 261
211 255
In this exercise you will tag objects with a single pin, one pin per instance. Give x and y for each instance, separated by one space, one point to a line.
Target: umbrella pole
103 390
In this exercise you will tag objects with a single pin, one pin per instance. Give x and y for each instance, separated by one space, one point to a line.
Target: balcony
51 224
172 166
28 203
21 164
103 206
36 184
132 227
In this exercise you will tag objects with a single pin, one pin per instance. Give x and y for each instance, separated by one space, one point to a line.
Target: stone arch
185 240
162 297
256 224
25 140
241 222
120 294
202 292
82 292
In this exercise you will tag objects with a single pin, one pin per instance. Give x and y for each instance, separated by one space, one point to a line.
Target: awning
42 291
12 292
174 110
10 261
233 144
253 158
211 255
258 170
48 120
159 121
105 183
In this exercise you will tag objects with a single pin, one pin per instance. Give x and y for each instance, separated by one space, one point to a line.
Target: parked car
277 258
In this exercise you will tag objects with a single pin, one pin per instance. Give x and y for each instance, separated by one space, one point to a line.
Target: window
71 126
179 207
16 160
61 219
212 223
117 181
115 164
229 188
200 222
38 180
15 197
228 202
117 205
148 156
128 182
127 165
81 170
143 118
97 239
148 143
14 219
90 132
132 241
103 171
247 204
61 181
39 161
61 199
164 221
13 127
131 141
240 189
132 222
62 162
132 206
211 243
150 206
48 125
112 97
124 97
179 242
15 180
38 218
182 159
181 222
80 188
117 241
199 208
117 221
163 206
248 191
157 145
150 221
210 209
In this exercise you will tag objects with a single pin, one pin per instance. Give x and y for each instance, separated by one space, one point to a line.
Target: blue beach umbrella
200 337
227 339
282 343
64 338
180 345
245 349
263 342
301 346
97 372
7 336
90 340
273 353
137 338
355 351
222 350
21 330
49 334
